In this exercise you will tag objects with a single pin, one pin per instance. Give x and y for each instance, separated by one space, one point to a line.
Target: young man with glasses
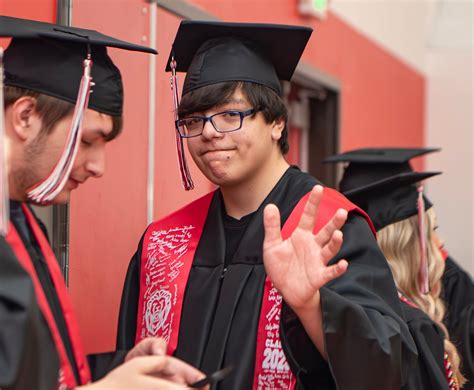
295 307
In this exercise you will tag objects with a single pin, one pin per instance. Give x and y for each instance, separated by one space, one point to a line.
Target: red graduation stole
66 377
167 255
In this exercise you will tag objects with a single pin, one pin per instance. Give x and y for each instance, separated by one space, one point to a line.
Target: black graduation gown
429 372
28 358
458 293
368 343
100 364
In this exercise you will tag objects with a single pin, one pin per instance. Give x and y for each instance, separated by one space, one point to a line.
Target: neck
16 158
247 196
14 192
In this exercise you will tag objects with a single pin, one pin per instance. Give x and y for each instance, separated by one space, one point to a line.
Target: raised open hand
298 266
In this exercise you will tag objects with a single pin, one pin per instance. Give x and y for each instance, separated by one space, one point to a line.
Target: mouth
210 151
75 182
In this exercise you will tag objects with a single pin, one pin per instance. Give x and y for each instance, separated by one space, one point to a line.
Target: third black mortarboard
382 182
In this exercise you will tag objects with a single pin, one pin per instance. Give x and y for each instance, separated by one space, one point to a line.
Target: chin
216 176
224 179
62 198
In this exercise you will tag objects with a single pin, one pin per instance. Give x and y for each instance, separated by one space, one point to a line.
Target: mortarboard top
381 155
214 52
48 58
382 182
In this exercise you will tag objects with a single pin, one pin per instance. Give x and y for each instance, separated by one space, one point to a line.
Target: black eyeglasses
223 122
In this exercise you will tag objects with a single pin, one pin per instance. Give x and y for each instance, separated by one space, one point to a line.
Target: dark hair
52 110
270 104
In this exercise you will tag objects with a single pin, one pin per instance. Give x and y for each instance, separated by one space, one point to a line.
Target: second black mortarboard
214 52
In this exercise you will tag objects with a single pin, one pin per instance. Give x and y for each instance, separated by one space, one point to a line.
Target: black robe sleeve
458 292
367 341
28 358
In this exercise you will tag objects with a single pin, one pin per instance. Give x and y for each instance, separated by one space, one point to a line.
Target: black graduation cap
63 62
214 52
48 58
382 182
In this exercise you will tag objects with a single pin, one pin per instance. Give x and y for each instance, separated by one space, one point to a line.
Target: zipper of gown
223 273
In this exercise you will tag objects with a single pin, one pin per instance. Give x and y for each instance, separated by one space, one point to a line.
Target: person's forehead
97 121
238 97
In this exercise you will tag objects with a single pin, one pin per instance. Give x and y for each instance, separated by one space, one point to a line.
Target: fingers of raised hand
311 209
271 223
333 271
335 223
332 247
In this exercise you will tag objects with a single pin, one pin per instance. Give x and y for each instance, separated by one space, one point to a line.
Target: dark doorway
313 128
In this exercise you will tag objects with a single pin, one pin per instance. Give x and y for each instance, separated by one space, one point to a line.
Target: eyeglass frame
242 114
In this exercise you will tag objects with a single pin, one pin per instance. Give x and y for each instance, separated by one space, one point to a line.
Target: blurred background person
382 182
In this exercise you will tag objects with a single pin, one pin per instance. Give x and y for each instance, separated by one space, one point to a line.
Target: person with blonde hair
382 182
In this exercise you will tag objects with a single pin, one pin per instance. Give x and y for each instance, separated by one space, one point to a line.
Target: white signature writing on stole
276 371
276 308
164 252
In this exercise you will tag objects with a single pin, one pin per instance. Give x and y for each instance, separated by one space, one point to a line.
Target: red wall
42 10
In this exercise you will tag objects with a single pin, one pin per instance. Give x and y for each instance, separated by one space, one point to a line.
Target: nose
209 132
95 164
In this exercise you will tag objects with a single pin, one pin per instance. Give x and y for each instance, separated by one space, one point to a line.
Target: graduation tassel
4 195
183 164
423 272
52 185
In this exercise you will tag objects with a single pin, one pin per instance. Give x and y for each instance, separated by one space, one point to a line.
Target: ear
278 126
25 121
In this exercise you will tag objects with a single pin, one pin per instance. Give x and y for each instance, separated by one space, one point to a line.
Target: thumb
158 347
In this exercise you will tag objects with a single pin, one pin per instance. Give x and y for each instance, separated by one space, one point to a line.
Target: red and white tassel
183 164
452 382
51 186
423 271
